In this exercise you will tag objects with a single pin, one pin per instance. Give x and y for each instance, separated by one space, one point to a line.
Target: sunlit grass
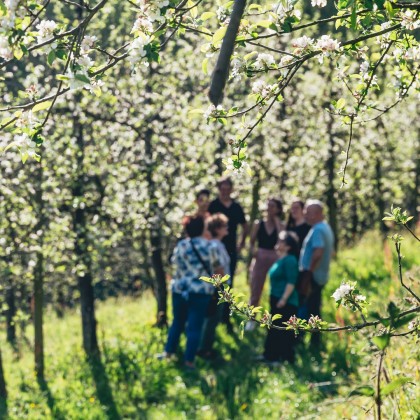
130 383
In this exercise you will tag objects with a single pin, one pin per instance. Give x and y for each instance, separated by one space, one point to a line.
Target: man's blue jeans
190 312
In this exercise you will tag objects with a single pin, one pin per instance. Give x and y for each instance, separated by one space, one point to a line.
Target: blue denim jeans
190 313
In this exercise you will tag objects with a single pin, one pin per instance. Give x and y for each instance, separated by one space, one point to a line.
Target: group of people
295 254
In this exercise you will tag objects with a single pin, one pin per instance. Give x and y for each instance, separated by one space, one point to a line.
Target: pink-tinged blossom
302 43
327 44
263 89
409 20
87 44
318 3
142 25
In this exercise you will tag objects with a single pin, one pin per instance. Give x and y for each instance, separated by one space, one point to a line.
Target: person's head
288 243
296 209
314 212
274 207
193 225
202 199
217 225
225 187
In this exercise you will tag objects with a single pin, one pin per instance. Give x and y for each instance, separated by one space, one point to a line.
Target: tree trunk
39 282
81 248
159 285
38 315
11 309
3 390
331 190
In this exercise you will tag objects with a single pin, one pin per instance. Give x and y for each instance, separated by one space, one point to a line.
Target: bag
304 286
212 308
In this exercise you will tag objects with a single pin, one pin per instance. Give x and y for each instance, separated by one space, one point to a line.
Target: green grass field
129 383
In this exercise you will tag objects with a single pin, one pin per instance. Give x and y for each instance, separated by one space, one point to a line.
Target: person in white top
217 226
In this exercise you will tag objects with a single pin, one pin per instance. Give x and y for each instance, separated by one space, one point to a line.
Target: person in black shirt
297 222
234 212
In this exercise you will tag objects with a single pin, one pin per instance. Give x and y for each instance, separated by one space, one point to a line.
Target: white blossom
5 50
318 3
142 25
87 44
342 292
264 61
302 43
238 67
137 49
85 61
261 88
46 30
410 20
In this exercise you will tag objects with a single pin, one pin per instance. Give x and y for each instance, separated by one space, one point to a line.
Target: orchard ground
130 383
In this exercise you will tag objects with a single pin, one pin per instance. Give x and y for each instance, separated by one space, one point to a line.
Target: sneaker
250 326
165 356
189 366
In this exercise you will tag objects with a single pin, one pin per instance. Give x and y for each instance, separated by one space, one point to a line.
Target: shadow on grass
43 386
103 388
3 408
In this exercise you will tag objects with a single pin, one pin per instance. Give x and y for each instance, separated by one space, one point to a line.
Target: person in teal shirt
284 300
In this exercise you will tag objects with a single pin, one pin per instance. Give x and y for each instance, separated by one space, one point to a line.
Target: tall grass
128 382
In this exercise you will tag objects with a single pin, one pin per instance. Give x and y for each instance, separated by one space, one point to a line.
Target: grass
129 383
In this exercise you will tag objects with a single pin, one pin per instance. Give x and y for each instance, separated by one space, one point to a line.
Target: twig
398 248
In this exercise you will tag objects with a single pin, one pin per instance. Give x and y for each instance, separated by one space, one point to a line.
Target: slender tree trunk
11 309
159 287
39 282
38 315
331 191
81 247
3 389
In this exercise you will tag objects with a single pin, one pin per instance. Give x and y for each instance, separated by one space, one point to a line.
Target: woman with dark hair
297 222
264 233
284 300
193 258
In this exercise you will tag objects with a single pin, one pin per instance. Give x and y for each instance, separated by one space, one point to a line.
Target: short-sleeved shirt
236 217
284 271
320 236
222 255
189 268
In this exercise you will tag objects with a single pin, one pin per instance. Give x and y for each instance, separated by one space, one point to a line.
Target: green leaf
51 57
400 322
82 78
353 18
24 156
207 15
219 34
394 385
3 9
225 278
207 279
276 316
41 106
340 103
365 390
204 65
381 341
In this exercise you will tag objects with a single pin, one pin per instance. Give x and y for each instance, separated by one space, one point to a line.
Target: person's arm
286 294
292 271
316 258
245 230
253 238
280 226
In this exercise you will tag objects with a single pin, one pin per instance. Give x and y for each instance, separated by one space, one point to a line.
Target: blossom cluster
410 20
285 10
7 22
348 296
263 89
46 29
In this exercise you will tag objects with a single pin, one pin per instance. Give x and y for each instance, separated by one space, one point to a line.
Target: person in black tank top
296 221
265 234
